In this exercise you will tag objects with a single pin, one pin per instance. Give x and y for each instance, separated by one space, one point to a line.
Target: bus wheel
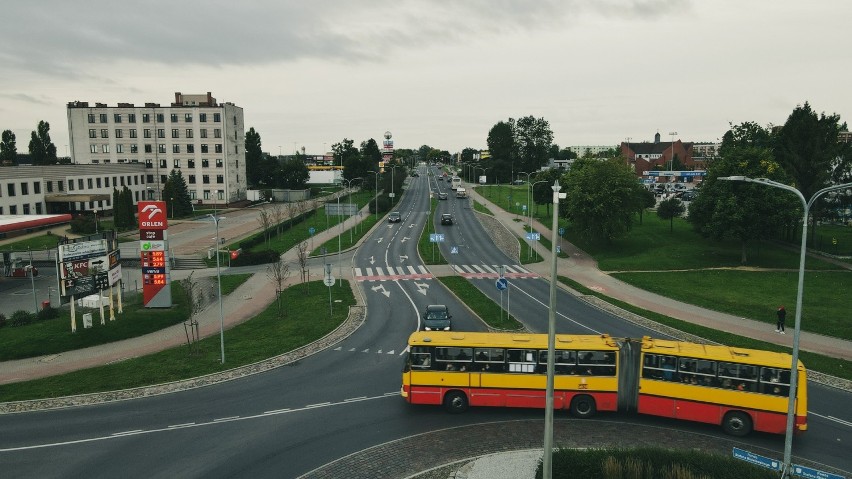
737 423
455 402
583 407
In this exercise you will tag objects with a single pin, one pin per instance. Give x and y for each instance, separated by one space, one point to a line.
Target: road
294 419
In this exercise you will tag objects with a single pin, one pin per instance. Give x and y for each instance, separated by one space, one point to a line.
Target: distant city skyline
309 74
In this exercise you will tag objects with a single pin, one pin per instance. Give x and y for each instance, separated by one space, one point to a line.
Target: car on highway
394 217
436 318
442 195
446 219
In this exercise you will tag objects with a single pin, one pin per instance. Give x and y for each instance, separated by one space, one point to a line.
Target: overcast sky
442 73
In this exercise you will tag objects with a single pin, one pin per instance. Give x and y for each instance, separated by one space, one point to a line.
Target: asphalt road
295 419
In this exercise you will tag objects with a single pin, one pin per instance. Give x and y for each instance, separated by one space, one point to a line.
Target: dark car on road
436 318
446 219
394 217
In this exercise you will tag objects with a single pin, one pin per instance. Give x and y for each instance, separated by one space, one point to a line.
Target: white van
461 193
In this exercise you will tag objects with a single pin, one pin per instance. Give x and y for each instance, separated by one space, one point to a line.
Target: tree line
42 151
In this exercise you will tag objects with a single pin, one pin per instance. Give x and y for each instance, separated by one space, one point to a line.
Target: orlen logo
152 215
152 211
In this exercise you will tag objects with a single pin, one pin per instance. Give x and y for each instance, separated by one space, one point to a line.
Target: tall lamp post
529 222
349 186
96 220
376 201
393 195
32 280
794 369
671 160
216 220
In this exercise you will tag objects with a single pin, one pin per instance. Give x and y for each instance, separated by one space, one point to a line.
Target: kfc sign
152 215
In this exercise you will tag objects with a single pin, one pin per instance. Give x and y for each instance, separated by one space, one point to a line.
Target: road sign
757 459
312 230
391 195
436 237
328 281
561 231
811 473
524 207
501 284
454 250
558 249
533 236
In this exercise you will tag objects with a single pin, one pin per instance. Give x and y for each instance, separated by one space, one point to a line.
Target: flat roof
10 223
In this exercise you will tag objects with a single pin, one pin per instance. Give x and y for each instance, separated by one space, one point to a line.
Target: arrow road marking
381 288
402 258
421 287
372 259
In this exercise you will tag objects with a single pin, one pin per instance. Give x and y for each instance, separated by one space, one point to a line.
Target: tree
742 211
644 199
264 220
542 194
42 150
8 149
293 174
347 155
501 145
176 194
533 139
278 272
669 210
601 197
370 151
254 158
746 134
195 297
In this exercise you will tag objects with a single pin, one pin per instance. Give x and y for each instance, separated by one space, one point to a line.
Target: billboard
153 250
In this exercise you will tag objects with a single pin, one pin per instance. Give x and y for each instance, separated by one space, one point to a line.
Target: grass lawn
36 243
262 337
481 304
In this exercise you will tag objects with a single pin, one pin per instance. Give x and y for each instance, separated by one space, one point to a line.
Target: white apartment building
201 137
594 150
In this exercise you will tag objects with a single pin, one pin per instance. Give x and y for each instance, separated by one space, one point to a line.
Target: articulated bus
740 389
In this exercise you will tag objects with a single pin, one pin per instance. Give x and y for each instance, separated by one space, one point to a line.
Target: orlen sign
152 215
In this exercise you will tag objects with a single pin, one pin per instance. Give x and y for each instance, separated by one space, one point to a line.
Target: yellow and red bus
740 389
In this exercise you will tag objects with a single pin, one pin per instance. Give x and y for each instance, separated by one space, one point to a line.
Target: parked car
442 195
446 219
518 182
436 318
394 217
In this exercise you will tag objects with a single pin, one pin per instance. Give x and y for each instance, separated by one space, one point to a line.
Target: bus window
564 362
421 358
596 363
489 359
775 381
521 360
660 367
453 358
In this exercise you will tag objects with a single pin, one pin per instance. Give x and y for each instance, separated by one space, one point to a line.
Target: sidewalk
582 268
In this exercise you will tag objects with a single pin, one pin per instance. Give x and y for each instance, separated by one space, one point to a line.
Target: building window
148 149
92 133
104 133
37 187
161 132
203 132
13 209
134 148
190 148
218 148
118 133
173 117
190 163
95 162
187 117
220 195
146 118
202 117
60 185
160 118
98 182
175 133
103 117
91 117
206 194
217 118
175 148
163 178
119 148
220 179
38 208
205 179
191 179
218 162
161 148
106 181
116 118
236 149
217 133
133 133
131 118
93 148
70 185
163 164
177 163
26 208
192 196
105 148
147 133
205 163
189 132
204 147
25 188
79 183
90 183
49 187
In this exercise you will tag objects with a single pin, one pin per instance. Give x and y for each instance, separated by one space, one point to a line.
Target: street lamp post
376 201
794 369
216 220
96 220
529 222
547 462
671 160
173 207
32 280
349 186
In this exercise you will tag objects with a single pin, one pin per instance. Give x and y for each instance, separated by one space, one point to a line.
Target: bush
2 320
47 313
21 318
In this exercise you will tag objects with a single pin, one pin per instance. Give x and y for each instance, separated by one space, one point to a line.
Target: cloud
26 98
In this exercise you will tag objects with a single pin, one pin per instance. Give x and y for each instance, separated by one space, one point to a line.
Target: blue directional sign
501 284
558 249
533 236
312 230
561 231
436 237
757 459
811 473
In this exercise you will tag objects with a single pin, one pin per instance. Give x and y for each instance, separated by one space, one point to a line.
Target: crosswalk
472 271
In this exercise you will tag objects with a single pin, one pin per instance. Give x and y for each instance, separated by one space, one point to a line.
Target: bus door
628 374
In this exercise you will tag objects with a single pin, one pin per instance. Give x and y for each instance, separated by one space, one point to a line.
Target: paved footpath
583 269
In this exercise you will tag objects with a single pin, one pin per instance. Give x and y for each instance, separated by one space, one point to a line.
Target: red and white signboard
152 215
153 223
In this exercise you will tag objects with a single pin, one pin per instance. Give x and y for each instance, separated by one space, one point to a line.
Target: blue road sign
811 473
436 237
757 459
312 230
501 284
534 236
558 249
561 231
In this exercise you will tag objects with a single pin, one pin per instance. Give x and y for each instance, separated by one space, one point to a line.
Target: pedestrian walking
782 315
